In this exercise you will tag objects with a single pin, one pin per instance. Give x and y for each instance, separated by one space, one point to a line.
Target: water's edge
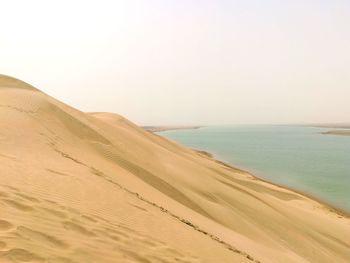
331 207
254 172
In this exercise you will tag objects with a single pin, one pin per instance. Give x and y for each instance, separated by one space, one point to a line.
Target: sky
184 62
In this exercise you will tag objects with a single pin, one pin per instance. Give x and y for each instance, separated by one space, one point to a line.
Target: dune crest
94 187
10 82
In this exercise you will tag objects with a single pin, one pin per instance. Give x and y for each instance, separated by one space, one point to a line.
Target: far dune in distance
94 187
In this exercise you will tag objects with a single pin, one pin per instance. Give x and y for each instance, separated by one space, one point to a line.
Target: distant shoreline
345 128
169 128
337 132
328 125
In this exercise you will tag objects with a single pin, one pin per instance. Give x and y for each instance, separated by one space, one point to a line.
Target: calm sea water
298 157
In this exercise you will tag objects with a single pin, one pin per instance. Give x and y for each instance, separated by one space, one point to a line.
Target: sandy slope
78 187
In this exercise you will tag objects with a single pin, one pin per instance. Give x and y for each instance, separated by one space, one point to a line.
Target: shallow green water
298 157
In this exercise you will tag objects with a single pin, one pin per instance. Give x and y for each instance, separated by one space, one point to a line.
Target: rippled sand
78 187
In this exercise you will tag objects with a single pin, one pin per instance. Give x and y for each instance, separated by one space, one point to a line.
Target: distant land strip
337 132
330 125
168 128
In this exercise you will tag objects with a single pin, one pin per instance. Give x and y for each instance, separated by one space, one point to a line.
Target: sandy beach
94 187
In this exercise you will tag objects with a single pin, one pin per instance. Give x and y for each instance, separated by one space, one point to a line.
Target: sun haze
185 62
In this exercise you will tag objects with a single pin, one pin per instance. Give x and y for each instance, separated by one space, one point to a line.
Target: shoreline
328 125
330 207
337 132
160 200
169 128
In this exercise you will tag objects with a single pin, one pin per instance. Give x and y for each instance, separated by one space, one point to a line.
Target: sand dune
79 187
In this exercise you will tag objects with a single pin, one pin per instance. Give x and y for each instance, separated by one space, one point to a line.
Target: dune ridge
94 187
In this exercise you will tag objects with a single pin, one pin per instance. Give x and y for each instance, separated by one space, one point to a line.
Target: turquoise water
298 157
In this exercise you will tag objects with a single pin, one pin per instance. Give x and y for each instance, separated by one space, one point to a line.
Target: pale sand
78 187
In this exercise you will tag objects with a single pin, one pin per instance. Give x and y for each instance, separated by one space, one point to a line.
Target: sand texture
94 188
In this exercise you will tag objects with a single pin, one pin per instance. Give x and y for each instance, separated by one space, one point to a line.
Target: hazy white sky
185 61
